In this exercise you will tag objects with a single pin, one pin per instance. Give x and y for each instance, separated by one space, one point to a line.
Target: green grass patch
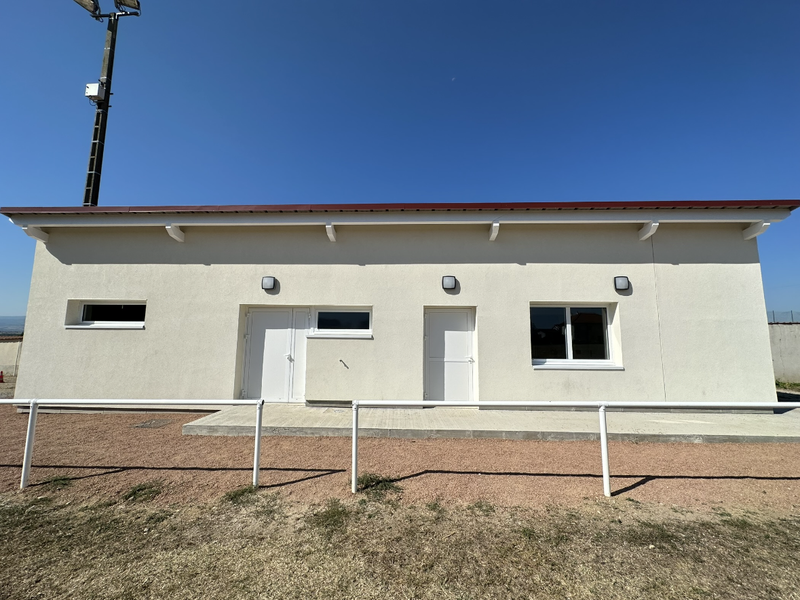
270 506
57 483
738 523
143 492
376 487
482 507
435 507
649 533
332 518
157 517
791 386
242 495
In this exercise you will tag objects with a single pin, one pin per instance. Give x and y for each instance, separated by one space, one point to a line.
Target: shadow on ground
113 470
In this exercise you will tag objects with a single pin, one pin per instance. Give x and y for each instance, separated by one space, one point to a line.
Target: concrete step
440 422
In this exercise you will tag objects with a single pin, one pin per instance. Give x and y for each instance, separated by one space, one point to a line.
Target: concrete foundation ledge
546 436
468 423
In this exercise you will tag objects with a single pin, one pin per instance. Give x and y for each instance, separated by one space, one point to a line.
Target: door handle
289 357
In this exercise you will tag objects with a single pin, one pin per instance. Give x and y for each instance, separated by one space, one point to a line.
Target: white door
275 367
448 354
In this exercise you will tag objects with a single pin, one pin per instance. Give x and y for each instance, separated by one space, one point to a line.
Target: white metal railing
600 406
34 405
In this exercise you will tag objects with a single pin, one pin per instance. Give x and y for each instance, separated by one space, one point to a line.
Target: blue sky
407 101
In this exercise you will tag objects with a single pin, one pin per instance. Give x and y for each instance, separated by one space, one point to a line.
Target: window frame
76 310
579 364
356 334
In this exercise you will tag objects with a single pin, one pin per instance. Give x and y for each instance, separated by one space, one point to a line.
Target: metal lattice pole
92 191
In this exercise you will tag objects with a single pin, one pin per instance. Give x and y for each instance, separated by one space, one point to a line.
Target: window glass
113 312
588 333
330 320
568 333
548 332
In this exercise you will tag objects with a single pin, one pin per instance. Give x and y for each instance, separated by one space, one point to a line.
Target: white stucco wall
785 340
692 328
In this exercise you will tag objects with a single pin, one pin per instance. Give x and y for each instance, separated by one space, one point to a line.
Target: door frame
471 323
292 348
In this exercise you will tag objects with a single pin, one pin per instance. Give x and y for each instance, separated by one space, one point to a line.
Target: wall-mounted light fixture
267 283
621 283
448 282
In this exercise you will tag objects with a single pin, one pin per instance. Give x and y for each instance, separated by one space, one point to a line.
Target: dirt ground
104 455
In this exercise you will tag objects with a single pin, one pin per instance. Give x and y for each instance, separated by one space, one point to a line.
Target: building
640 301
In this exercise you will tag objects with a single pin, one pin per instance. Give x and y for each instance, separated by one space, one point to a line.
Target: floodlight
134 4
91 5
448 282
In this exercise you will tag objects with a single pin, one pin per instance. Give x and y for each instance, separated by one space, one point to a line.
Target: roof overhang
755 215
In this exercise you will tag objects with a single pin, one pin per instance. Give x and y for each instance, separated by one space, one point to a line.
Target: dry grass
268 547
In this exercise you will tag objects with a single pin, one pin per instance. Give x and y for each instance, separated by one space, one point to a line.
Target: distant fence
783 316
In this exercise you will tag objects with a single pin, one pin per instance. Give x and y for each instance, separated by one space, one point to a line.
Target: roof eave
412 207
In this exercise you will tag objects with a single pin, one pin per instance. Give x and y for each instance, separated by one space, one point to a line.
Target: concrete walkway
301 420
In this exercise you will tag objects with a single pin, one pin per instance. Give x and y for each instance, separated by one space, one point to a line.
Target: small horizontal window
105 314
342 320
113 312
342 323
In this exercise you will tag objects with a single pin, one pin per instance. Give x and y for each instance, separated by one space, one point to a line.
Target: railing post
354 451
604 452
257 451
29 437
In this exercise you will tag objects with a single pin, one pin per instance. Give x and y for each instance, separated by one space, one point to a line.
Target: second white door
449 358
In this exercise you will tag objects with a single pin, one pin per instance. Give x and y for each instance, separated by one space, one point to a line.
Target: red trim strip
415 207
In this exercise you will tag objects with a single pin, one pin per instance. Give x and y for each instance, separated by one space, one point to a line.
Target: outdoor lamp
267 283
448 282
134 4
91 5
621 284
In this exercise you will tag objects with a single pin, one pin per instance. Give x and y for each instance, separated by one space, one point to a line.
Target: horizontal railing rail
125 401
574 404
600 405
35 403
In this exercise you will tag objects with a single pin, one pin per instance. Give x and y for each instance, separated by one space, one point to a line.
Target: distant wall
9 356
785 341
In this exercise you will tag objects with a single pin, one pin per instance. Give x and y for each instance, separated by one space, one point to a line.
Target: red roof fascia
403 207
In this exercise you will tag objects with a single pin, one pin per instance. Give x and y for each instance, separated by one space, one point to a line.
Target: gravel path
107 454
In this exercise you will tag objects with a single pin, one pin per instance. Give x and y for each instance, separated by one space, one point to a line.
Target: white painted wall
785 341
692 328
9 354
